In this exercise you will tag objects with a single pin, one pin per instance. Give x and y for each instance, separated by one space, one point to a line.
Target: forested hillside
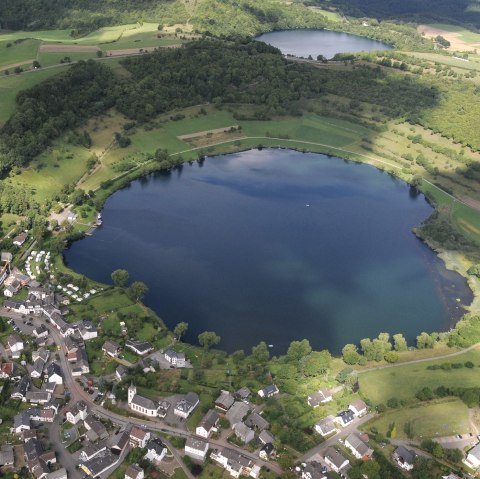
245 17
207 71
461 11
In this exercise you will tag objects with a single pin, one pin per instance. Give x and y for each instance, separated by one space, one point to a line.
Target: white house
156 450
473 457
235 463
175 358
322 396
87 330
78 413
335 460
208 424
139 437
139 347
243 432
268 391
54 374
404 458
196 448
326 426
111 348
359 448
185 406
15 345
358 407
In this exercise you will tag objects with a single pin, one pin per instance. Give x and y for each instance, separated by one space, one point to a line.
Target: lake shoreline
337 155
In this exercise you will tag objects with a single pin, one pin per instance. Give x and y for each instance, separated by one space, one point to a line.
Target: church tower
132 390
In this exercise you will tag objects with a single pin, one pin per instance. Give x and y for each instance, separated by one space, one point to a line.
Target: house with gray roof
139 347
359 448
335 460
98 465
21 422
243 432
237 412
6 455
268 391
20 390
196 448
208 424
405 458
93 424
266 437
322 396
224 402
175 358
120 443
257 422
134 471
243 394
156 450
185 406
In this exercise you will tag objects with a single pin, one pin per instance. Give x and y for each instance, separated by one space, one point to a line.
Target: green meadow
403 382
439 418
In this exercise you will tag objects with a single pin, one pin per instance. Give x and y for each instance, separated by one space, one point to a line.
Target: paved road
77 393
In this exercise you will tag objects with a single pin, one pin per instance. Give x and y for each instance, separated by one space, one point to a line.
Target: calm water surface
277 245
303 43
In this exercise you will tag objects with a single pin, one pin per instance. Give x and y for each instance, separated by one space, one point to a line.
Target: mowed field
460 38
403 382
51 46
439 418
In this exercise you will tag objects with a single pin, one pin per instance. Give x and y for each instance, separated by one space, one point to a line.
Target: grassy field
51 58
466 35
444 417
403 382
11 53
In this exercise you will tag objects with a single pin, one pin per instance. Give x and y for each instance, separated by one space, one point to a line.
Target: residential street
77 393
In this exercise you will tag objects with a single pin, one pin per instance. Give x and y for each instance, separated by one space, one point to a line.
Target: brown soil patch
456 44
206 138
133 51
60 48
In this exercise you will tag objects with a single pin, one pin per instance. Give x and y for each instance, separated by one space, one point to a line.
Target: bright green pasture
472 64
51 170
18 52
466 218
403 382
444 417
102 35
12 84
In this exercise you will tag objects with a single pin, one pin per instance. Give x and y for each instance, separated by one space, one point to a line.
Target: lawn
444 417
18 52
63 164
403 382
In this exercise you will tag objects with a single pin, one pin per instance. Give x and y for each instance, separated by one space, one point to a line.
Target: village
69 425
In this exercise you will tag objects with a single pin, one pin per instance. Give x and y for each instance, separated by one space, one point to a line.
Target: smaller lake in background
303 43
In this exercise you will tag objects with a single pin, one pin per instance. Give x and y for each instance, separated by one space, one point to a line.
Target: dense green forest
462 11
48 109
206 71
246 17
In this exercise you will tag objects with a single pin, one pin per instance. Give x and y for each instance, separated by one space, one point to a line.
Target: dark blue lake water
303 43
277 245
